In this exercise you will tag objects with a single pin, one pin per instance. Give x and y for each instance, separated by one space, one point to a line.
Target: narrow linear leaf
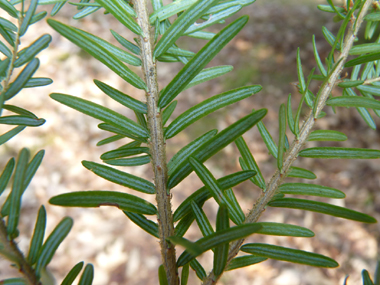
234 203
281 139
122 12
87 275
6 174
289 254
327 135
8 7
22 79
311 189
184 153
202 35
124 152
163 280
32 50
374 90
168 112
278 196
321 68
191 247
164 12
141 119
350 83
176 51
57 7
117 52
21 121
330 38
363 59
374 16
219 238
323 208
38 17
209 74
301 78
289 113
133 161
73 273
127 44
123 201
29 173
215 18
85 12
19 110
123 132
301 173
37 82
110 140
13 281
364 112
365 48
147 225
28 17
95 49
17 191
8 25
250 162
4 65
197 267
212 185
216 143
244 261
5 50
52 242
203 194
182 23
101 113
377 273
340 152
184 224
201 59
120 177
268 140
221 251
185 274
202 220
38 236
366 278
208 106
328 8
280 229
8 35
345 101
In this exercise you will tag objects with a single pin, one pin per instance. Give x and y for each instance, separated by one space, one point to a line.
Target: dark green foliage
150 130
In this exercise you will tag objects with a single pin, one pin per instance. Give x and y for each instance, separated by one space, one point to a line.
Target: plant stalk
13 253
298 144
157 144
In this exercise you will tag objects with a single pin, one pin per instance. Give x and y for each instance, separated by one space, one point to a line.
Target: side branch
305 131
157 144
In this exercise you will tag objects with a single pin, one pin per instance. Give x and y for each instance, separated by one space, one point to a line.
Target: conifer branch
305 131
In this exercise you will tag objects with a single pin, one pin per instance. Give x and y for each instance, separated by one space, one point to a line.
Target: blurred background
262 53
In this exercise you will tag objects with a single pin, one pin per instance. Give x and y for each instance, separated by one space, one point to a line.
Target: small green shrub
156 34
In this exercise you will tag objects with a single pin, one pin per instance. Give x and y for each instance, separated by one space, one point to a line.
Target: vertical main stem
157 144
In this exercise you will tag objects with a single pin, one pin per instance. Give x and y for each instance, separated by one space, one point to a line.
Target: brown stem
297 144
157 144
